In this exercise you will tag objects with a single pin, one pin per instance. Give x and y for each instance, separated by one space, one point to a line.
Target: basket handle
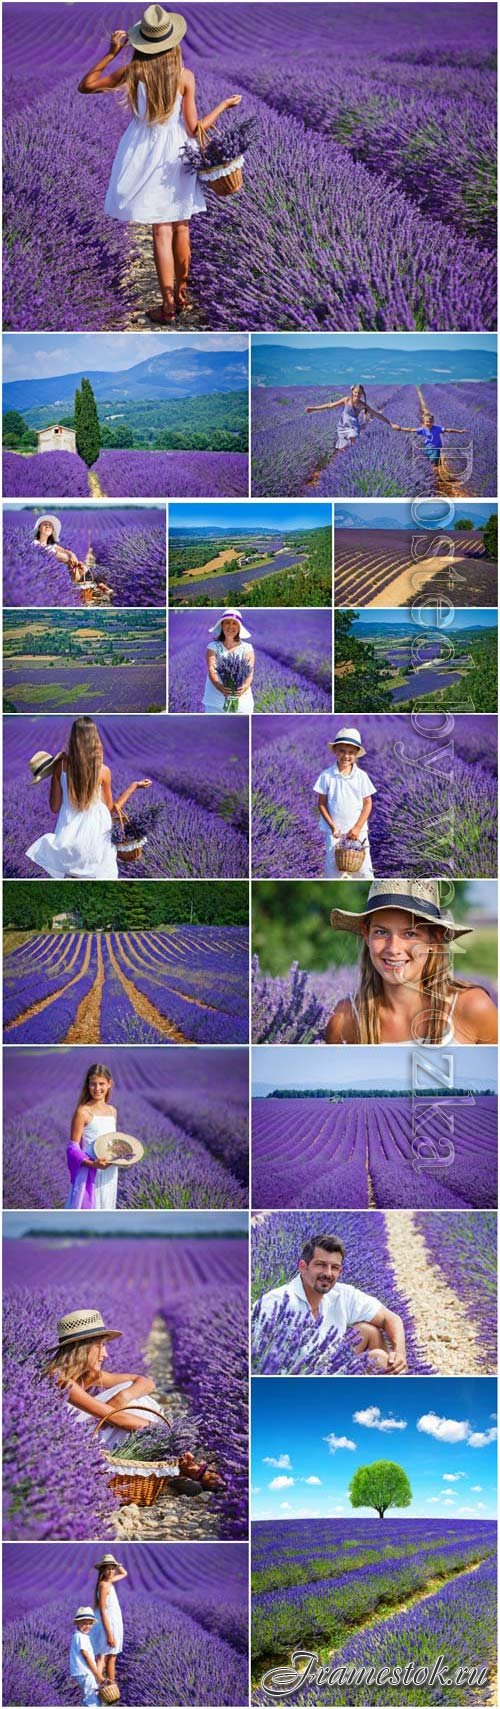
116 1410
202 136
121 816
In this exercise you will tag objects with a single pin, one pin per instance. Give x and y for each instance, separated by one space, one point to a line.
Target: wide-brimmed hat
236 615
54 521
85 1614
107 1561
135 1149
42 764
157 30
80 1326
351 736
418 896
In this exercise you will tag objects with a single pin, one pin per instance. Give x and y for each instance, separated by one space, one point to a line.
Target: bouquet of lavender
232 671
166 1440
232 141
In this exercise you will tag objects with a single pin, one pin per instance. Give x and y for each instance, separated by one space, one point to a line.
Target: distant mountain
344 365
213 532
172 374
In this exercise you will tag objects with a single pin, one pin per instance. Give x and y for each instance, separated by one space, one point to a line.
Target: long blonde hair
436 982
70 1364
103 1573
84 762
161 75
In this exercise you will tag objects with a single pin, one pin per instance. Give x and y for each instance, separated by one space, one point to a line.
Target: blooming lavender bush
53 473
172 474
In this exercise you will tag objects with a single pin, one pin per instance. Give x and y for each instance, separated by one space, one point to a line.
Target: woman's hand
118 40
231 101
144 783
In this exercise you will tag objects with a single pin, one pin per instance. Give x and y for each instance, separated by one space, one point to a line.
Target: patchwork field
96 662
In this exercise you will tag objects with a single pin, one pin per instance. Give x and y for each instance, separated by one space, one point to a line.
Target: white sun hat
236 615
55 524
351 736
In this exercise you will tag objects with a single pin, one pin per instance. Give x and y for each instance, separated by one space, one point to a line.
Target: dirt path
95 488
447 484
443 1329
174 1516
44 1002
140 290
144 1008
85 1029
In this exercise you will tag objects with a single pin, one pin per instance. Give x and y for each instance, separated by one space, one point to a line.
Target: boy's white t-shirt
78 1666
345 793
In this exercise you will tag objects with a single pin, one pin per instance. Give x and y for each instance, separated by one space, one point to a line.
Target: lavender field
182 1281
375 567
318 1584
385 126
179 985
421 1152
127 474
195 816
99 661
437 1272
434 807
293 660
190 1111
125 548
294 455
185 1614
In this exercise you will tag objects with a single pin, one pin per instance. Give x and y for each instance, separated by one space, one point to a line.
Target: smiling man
316 1301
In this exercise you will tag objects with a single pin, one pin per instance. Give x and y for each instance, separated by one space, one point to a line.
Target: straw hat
55 524
236 615
134 1146
42 764
107 1561
419 896
157 30
351 736
83 1326
85 1614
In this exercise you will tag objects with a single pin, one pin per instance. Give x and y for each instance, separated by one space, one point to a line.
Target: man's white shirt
342 1307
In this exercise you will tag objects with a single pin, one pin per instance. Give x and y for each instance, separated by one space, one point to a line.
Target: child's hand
232 101
144 783
396 426
353 833
118 39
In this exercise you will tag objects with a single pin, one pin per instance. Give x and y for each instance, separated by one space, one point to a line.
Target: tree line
137 906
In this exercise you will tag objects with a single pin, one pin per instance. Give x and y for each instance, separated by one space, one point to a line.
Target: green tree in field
490 537
17 436
87 429
359 678
464 525
381 1485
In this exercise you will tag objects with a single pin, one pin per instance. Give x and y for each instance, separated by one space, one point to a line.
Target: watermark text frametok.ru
285 1681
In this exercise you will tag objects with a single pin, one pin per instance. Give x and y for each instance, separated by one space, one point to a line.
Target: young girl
91 1394
107 1637
93 1184
345 801
47 533
407 991
150 184
354 406
230 641
81 795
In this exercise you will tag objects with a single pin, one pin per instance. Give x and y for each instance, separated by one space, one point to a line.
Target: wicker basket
131 847
109 1693
349 858
128 1484
225 180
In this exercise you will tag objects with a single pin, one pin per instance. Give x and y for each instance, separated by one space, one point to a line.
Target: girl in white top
47 533
93 1116
92 1394
345 802
150 183
356 413
107 1636
231 641
407 991
81 795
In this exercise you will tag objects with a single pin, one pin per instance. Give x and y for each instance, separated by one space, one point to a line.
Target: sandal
164 314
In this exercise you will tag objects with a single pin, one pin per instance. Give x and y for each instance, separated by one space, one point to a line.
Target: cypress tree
87 429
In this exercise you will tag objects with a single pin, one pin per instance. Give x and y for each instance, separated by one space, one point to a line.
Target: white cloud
281 1483
335 1442
482 1438
285 1507
444 1429
452 1477
311 1480
476 1489
281 1461
467 1510
372 1419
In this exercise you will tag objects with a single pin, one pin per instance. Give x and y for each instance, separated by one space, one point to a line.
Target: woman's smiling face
398 944
230 630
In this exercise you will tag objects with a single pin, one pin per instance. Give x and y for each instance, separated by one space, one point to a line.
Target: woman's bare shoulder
105 773
476 1009
188 80
341 1028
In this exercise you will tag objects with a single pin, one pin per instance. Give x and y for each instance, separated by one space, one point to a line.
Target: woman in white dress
107 1634
150 183
230 642
94 1115
47 533
356 413
80 793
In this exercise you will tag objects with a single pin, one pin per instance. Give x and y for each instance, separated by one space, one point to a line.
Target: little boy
82 1662
345 793
431 433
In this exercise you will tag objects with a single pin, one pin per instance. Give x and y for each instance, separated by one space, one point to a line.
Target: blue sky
17 1223
38 356
309 1435
237 515
435 513
383 340
462 619
281 1066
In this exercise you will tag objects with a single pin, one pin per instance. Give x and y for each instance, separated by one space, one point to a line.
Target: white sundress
149 182
348 427
111 1436
115 1618
106 1180
80 846
212 700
